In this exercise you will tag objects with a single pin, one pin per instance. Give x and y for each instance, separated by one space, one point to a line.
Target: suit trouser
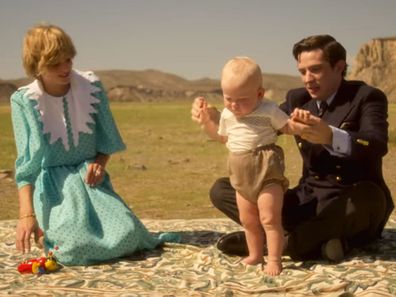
356 217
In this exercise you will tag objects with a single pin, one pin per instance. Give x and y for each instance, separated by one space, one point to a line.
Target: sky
191 38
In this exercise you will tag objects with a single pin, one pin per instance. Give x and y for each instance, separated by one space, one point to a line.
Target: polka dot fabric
82 224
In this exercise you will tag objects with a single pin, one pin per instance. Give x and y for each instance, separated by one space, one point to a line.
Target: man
341 200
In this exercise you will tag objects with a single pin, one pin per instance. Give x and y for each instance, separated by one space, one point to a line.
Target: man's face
320 79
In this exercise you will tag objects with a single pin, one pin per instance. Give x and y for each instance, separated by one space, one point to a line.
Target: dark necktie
322 108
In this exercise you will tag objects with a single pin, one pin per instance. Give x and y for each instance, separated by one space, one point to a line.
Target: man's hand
300 115
315 130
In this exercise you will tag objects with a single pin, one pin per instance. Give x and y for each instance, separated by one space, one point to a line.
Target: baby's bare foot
273 267
252 260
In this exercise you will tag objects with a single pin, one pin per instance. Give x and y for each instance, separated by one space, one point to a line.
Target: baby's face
241 99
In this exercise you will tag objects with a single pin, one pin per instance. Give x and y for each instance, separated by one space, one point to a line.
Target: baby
249 126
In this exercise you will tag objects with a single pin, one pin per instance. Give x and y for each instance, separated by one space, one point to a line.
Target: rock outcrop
375 64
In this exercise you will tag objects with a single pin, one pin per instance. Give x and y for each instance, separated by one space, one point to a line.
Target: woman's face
56 78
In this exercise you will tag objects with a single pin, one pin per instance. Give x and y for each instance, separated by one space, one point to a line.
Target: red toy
39 265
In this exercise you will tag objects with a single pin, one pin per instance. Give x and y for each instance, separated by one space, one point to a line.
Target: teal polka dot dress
56 138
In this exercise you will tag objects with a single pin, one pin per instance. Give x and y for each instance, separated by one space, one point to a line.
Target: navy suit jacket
362 111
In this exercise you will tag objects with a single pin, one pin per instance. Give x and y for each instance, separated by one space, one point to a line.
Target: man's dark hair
333 51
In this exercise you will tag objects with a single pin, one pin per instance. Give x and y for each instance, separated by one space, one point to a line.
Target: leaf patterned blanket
196 268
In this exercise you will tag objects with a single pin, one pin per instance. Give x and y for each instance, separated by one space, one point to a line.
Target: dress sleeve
109 139
27 135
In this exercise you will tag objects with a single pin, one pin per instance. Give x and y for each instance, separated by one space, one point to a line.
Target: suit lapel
311 106
339 107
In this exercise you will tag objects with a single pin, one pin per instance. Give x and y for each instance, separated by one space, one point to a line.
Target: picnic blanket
196 268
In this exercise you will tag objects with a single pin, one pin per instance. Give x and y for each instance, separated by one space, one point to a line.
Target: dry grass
169 165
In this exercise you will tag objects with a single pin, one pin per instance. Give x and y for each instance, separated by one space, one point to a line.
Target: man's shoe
233 244
333 250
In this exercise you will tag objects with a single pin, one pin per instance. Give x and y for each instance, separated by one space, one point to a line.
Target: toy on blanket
39 265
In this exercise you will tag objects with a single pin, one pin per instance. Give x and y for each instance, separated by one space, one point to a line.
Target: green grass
169 165
7 146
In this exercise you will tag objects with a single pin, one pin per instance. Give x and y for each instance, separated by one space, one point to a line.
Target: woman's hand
95 174
96 170
27 224
25 228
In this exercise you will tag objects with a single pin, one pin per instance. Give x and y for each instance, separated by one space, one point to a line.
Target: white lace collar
79 102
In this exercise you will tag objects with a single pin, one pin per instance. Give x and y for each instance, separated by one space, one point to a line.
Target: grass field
169 164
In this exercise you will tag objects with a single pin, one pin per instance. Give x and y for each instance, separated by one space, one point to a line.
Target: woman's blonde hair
44 46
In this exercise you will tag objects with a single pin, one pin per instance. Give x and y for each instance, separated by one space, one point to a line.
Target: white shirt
255 129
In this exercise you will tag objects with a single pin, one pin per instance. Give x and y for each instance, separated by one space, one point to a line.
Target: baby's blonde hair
244 70
44 46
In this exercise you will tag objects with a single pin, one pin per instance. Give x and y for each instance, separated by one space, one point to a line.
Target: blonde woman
65 134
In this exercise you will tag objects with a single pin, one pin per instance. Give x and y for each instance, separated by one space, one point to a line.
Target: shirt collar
328 100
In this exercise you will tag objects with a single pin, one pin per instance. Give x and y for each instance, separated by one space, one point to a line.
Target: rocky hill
153 85
375 64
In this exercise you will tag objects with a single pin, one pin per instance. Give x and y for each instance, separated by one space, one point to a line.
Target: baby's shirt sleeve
278 117
222 131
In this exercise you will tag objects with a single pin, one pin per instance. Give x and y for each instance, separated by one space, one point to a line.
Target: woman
65 133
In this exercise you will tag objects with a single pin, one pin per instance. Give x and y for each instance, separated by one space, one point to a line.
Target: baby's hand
196 109
300 115
202 112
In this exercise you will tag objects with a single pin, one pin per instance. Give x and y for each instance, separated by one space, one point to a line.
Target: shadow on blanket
201 238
